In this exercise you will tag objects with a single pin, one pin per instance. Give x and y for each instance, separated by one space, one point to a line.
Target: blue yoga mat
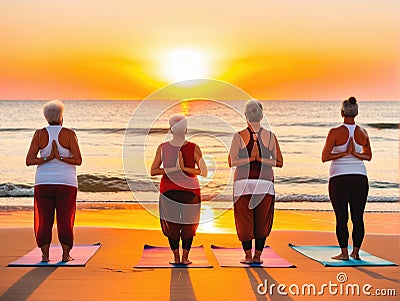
80 253
159 257
323 255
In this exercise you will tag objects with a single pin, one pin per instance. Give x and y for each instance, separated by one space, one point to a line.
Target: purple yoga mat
80 253
159 257
230 257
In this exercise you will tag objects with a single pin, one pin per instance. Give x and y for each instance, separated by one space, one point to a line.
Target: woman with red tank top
179 202
254 151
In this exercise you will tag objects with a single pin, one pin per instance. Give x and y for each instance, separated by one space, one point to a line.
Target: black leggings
353 190
260 242
186 243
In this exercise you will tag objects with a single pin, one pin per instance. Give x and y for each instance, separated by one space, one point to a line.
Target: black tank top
255 169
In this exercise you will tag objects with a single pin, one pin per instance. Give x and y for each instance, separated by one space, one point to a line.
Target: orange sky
289 49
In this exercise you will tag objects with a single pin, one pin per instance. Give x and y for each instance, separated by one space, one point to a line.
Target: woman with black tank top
254 151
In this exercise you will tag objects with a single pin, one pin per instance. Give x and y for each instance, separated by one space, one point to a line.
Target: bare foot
67 258
340 257
45 258
45 253
175 261
186 261
354 255
257 259
247 260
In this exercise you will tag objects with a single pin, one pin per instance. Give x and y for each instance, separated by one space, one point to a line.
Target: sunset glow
185 64
309 50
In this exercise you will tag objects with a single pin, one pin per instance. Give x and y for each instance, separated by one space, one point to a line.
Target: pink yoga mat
80 253
159 257
230 257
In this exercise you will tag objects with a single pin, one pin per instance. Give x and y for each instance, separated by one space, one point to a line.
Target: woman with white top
254 151
56 183
347 146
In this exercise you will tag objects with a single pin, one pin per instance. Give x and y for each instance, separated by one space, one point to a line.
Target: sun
185 64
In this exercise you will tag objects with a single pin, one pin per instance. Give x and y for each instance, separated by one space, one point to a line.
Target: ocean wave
15 190
300 180
130 131
325 198
383 125
107 183
382 184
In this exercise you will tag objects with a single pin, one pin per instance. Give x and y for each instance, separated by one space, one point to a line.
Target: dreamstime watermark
340 287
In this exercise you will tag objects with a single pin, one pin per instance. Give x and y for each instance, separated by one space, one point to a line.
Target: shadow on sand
27 284
181 287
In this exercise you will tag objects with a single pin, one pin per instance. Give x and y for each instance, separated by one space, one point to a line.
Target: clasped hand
351 148
255 154
54 152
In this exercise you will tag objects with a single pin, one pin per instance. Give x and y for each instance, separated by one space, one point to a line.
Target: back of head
253 110
178 124
53 111
349 107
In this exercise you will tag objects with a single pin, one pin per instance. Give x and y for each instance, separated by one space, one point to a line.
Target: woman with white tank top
56 183
347 146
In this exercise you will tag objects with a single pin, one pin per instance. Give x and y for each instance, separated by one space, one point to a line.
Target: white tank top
55 171
348 164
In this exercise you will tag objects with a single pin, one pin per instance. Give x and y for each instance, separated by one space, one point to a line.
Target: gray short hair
53 111
253 110
178 124
349 107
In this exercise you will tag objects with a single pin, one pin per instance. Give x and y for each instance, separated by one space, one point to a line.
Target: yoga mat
323 254
80 253
230 257
159 257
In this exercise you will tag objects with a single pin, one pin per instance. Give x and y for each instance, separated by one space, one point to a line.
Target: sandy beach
123 232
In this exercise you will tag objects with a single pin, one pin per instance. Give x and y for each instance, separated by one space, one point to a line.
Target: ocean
118 149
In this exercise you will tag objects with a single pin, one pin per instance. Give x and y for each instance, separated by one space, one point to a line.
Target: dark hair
352 100
349 107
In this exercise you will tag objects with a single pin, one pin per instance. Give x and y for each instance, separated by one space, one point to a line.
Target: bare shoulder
266 133
338 131
243 132
361 136
362 131
68 131
41 131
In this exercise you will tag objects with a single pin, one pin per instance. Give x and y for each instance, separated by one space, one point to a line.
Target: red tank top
179 180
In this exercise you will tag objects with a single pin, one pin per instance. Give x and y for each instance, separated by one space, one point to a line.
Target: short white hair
253 110
53 111
178 124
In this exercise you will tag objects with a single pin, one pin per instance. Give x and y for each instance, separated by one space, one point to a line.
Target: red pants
254 223
51 198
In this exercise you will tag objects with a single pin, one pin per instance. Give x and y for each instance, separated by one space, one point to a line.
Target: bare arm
328 147
31 156
76 157
366 153
233 158
202 167
155 166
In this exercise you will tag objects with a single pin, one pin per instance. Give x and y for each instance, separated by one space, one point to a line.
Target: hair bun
352 100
